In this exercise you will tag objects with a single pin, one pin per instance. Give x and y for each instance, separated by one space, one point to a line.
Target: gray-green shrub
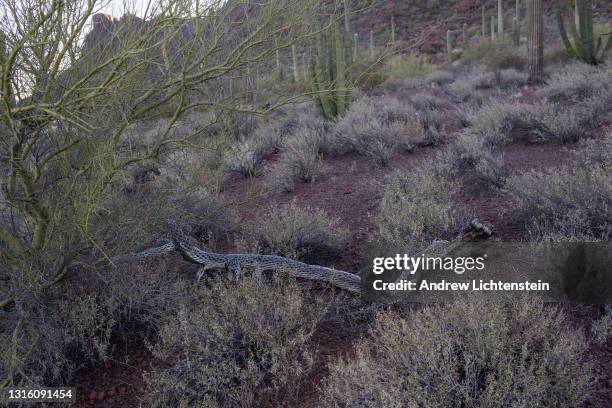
306 234
507 352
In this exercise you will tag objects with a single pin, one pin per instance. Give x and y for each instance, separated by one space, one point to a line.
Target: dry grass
473 353
306 234
235 345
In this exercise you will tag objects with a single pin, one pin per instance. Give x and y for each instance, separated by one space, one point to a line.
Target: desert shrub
440 77
464 90
424 101
576 82
210 215
500 123
77 328
298 162
512 78
570 201
597 152
378 128
601 329
235 345
414 209
495 55
470 154
306 234
245 156
408 66
474 352
368 75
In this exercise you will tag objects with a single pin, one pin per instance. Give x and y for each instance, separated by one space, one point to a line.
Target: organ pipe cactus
584 46
330 75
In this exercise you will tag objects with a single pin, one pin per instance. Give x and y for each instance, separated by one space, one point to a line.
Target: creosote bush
235 345
414 209
505 352
572 201
306 234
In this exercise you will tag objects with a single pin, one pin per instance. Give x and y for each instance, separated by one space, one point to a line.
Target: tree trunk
535 27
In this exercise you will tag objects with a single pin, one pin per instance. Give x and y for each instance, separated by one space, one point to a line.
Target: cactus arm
586 30
566 41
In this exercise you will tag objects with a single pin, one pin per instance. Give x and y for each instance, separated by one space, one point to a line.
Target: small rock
92 395
122 390
111 392
100 395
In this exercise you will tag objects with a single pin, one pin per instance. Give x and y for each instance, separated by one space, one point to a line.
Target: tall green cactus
466 37
492 28
330 75
483 28
449 46
500 19
296 72
584 47
517 15
392 30
515 34
371 46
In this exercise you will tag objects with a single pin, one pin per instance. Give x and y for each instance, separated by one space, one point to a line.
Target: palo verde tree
71 99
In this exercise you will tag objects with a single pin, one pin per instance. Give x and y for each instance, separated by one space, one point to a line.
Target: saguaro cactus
500 19
371 46
584 46
466 38
492 28
515 35
392 30
517 15
355 46
535 46
449 45
296 72
330 76
483 28
304 67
